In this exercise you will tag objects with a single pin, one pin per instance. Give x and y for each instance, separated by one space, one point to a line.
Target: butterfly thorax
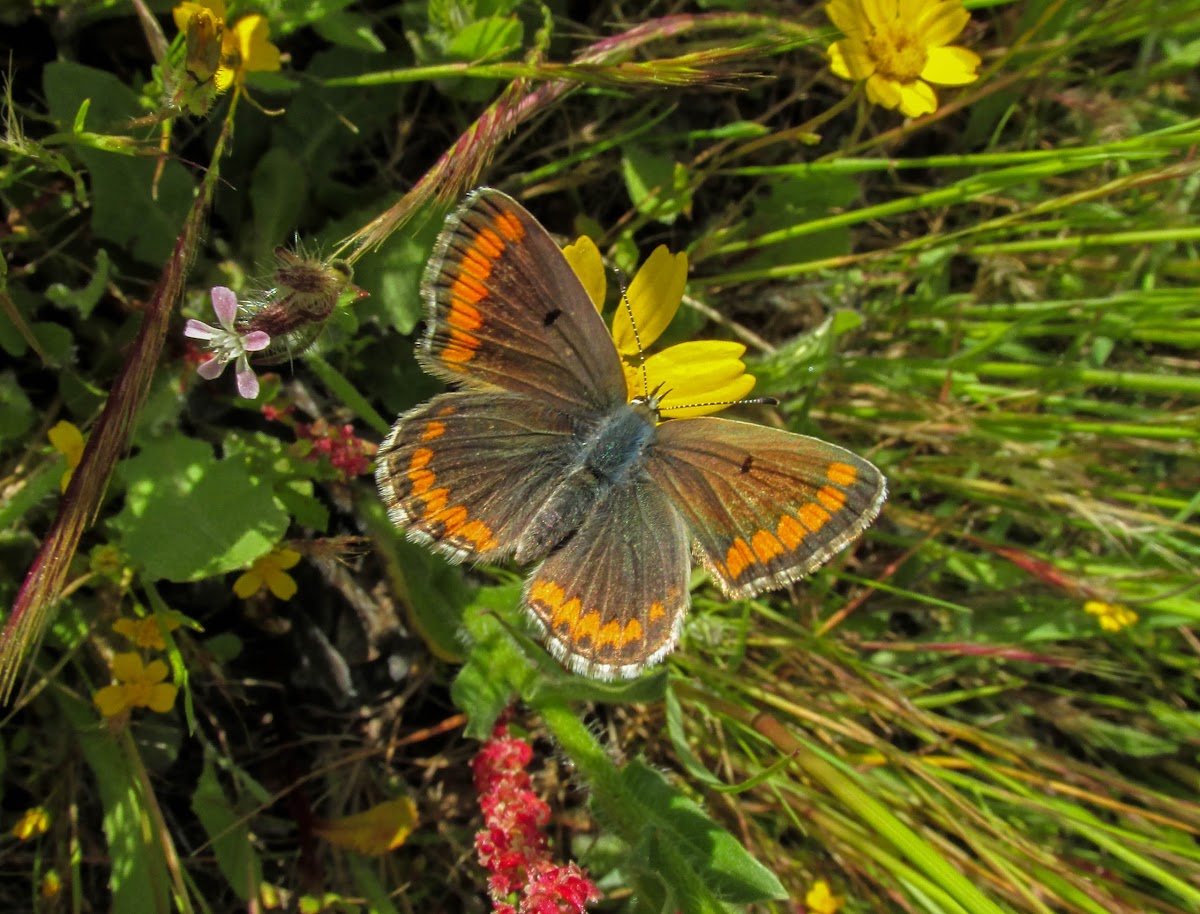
610 453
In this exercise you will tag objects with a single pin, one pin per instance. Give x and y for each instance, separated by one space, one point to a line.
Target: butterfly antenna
750 401
638 340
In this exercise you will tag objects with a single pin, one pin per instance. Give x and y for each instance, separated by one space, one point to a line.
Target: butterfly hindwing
611 600
764 507
467 472
507 311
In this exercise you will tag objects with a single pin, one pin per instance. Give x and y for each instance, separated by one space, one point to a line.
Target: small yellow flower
821 900
35 821
244 46
1112 616
382 828
68 441
138 685
899 47
269 571
146 632
51 884
709 372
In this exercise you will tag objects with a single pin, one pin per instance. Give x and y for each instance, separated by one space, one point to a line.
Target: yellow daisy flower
68 441
696 378
139 685
899 47
146 632
1112 616
34 821
243 47
269 571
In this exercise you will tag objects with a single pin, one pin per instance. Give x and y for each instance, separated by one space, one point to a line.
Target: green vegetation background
997 304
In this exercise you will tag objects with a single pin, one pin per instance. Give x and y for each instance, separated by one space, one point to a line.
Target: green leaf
487 682
800 361
228 832
278 189
657 184
139 882
189 516
83 300
124 211
682 826
16 410
350 30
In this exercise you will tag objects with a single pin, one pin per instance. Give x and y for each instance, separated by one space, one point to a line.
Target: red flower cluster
347 453
512 847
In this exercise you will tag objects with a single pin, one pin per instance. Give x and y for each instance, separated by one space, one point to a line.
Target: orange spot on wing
813 516
434 502
510 226
766 546
478 534
433 429
739 558
633 629
451 518
489 244
464 316
831 498
420 457
791 532
468 288
476 264
841 474
609 634
587 627
566 613
546 592
420 478
461 347
445 411
655 612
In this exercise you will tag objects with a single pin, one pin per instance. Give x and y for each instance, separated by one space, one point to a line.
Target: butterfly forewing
507 311
468 471
611 600
764 507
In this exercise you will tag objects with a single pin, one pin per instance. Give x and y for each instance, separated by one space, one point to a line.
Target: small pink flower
227 343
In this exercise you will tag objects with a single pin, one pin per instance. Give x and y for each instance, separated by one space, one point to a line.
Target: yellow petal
883 91
248 584
917 99
376 831
286 558
850 60
257 53
880 13
111 700
940 23
586 262
68 441
654 297
282 584
127 667
952 66
183 13
162 697
707 372
127 627
847 16
156 671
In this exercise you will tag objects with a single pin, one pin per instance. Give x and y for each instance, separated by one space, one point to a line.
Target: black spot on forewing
747 463
551 316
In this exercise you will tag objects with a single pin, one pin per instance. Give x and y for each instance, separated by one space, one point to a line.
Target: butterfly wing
466 472
507 311
764 507
611 600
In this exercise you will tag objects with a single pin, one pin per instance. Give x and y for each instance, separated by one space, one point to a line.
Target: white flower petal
256 340
225 304
211 370
198 330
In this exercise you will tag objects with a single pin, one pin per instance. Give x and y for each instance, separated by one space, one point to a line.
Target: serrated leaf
189 516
